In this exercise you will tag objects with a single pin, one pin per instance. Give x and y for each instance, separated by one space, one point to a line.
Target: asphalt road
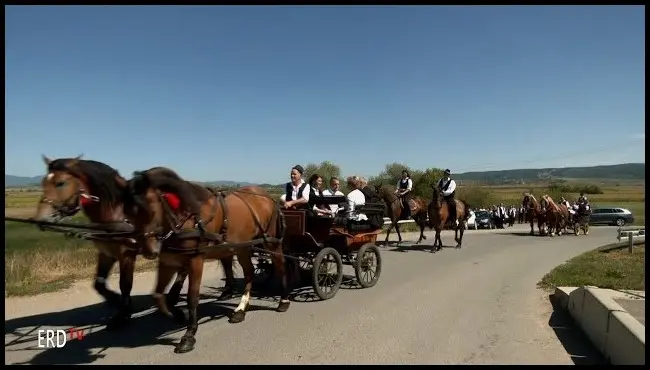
476 305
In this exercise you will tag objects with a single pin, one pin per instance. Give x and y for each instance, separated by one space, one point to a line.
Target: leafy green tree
325 169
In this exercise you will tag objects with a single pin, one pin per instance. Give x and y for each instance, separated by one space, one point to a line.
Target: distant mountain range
626 171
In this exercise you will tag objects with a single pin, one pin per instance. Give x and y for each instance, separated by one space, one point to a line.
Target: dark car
484 220
611 216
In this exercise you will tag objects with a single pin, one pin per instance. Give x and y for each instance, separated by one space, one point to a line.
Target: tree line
423 181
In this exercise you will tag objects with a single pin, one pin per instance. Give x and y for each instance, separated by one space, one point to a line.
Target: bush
587 189
476 197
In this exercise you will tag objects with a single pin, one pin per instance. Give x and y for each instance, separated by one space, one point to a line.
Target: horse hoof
237 317
226 294
458 246
118 322
424 237
113 299
283 306
186 345
181 315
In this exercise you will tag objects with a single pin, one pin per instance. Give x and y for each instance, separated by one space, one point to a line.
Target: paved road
476 305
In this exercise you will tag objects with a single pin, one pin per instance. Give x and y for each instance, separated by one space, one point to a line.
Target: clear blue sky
244 93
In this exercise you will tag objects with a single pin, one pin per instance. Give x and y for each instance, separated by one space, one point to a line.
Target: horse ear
46 160
121 182
78 157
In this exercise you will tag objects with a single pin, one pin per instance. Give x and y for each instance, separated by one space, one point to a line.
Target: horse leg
392 224
399 235
127 269
174 294
229 288
195 275
421 222
281 272
532 226
105 264
459 240
244 258
437 242
165 274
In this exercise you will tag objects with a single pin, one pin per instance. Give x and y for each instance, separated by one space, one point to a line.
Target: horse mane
167 180
100 178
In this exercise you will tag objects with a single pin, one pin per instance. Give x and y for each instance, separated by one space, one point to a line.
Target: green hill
626 171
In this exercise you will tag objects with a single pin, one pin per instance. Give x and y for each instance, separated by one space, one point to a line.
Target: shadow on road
575 342
143 330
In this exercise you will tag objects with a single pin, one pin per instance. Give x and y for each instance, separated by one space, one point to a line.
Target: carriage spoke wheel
576 228
327 273
367 267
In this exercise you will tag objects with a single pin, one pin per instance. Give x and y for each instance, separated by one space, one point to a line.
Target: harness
218 239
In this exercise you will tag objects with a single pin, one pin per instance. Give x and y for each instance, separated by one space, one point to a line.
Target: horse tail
466 205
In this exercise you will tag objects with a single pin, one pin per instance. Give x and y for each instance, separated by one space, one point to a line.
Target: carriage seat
375 214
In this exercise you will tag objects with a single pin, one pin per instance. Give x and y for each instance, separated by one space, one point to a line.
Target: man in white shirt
296 194
448 188
335 185
403 190
355 199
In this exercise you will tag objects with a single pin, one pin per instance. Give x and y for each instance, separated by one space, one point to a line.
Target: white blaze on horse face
49 176
244 301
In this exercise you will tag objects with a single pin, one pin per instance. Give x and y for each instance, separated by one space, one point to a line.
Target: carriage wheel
576 228
327 273
368 265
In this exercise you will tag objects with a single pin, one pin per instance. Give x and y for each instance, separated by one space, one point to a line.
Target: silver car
611 216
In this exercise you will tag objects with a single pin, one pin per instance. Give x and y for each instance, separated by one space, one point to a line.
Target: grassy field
617 269
38 261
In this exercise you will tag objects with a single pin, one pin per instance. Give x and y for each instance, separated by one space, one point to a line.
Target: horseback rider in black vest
448 188
297 190
404 188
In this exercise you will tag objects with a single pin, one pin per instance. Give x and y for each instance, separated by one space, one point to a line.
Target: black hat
298 168
447 172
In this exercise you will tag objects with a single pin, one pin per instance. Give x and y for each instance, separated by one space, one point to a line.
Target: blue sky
244 93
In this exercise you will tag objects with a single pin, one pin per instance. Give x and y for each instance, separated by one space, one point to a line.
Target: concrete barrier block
594 320
625 340
562 295
576 301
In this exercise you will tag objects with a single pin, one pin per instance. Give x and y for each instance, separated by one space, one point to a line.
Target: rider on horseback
403 191
448 188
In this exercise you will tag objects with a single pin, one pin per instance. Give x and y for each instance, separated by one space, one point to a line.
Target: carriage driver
403 191
448 188
296 191
582 200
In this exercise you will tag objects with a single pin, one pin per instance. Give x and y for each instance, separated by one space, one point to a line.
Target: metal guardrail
633 232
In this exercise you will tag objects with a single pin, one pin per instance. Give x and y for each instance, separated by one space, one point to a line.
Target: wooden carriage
322 246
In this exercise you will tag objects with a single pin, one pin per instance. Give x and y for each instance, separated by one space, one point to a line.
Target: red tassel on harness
85 202
173 201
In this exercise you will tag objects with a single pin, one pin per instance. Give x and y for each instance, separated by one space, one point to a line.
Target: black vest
289 191
404 184
444 188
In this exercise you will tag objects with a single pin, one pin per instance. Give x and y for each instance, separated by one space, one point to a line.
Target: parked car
484 220
471 221
611 216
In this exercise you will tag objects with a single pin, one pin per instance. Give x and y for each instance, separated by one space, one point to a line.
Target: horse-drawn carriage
321 246
580 219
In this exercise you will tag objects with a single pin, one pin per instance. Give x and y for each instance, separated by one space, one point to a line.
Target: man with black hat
296 191
403 191
448 188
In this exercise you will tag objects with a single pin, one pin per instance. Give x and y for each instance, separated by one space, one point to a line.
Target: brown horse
72 185
186 224
534 212
438 218
555 215
396 209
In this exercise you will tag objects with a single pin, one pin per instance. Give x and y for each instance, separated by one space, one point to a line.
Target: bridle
70 206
